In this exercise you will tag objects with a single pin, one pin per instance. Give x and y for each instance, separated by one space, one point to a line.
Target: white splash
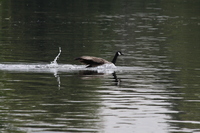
54 62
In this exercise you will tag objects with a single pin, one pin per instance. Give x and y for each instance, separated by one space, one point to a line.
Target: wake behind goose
53 66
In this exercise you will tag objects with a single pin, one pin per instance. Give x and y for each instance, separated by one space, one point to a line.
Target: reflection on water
153 88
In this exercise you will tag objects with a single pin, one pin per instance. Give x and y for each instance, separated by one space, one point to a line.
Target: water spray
56 58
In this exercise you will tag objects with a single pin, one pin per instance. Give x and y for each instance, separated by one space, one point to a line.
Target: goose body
92 61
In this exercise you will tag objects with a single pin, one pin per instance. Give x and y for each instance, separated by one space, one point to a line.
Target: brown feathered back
92 61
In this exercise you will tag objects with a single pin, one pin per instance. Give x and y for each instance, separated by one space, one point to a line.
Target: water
154 87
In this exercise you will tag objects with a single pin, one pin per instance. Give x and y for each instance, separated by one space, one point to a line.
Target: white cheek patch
119 53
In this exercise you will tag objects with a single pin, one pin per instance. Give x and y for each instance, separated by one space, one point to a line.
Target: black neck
115 58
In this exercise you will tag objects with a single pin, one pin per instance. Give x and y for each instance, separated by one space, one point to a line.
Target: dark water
155 87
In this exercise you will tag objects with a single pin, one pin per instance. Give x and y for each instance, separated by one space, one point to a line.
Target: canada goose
92 61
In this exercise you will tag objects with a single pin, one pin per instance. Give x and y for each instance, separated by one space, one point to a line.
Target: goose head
116 55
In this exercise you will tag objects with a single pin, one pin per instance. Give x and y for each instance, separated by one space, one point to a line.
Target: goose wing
91 61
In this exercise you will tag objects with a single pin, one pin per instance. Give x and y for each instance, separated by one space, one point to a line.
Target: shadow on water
56 69
88 74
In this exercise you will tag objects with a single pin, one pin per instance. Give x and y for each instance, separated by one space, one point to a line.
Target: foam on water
52 67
